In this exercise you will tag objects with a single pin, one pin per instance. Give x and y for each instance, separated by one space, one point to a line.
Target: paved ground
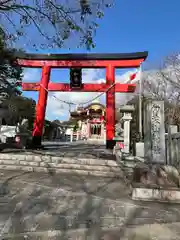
39 202
76 150
42 206
47 206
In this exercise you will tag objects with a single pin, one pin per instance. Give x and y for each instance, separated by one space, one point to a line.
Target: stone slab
78 172
174 129
78 166
81 172
30 157
161 195
154 131
140 149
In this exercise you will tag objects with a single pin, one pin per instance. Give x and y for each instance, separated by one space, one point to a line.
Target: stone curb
60 170
54 159
161 195
80 166
77 166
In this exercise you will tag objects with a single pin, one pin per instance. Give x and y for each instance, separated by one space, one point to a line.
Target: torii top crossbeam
108 61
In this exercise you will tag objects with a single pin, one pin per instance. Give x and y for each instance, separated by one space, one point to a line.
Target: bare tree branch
57 22
164 84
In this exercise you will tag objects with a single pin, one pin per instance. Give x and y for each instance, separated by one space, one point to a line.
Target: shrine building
91 121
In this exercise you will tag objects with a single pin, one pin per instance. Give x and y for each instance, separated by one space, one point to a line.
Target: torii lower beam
108 61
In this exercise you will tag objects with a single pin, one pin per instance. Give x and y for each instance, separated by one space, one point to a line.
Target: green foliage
10 72
21 107
57 22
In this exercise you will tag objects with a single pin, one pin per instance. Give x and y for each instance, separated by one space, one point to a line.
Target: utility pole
140 105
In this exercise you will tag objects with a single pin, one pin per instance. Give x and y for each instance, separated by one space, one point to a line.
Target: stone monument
154 132
152 179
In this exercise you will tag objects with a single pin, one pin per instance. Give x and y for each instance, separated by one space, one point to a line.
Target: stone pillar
102 130
71 137
78 135
57 133
88 129
104 136
154 132
127 119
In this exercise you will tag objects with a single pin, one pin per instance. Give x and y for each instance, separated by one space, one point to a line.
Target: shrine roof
82 56
95 104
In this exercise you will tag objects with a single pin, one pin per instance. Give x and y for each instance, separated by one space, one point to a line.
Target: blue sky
129 26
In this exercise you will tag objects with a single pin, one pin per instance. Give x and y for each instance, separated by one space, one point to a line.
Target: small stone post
126 118
77 136
71 136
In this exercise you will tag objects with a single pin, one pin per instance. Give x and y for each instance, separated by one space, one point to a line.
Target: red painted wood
42 102
110 104
88 87
30 86
83 63
110 66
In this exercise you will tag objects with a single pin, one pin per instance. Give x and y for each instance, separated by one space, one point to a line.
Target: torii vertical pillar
41 106
108 61
110 107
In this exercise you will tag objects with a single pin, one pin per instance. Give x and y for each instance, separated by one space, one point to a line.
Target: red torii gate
108 61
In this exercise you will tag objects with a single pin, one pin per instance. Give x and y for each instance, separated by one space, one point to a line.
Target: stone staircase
28 161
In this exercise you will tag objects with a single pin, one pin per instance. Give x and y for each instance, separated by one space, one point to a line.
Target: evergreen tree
10 72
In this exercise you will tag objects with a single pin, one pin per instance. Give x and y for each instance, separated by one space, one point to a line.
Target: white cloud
57 109
31 75
91 75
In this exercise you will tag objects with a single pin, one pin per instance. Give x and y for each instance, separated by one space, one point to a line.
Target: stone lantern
127 111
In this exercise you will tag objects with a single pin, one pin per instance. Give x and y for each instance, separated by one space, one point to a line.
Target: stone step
76 171
106 168
33 157
47 163
79 166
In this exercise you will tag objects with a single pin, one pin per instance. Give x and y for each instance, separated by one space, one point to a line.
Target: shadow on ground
79 150
75 207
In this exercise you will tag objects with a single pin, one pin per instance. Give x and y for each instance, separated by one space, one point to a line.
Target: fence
173 149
